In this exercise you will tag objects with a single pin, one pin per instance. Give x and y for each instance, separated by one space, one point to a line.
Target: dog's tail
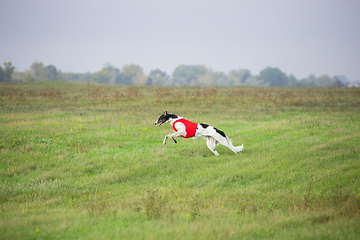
233 148
239 148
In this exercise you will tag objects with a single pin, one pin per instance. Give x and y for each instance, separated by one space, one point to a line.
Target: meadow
85 161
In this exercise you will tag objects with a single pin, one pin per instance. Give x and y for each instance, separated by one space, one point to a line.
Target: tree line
183 75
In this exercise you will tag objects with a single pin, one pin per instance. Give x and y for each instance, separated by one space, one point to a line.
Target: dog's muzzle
159 123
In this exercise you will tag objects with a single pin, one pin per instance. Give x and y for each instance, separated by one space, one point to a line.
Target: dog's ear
165 113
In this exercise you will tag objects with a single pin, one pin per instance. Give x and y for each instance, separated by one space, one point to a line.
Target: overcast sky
300 37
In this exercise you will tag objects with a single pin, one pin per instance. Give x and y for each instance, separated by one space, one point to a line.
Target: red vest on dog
190 127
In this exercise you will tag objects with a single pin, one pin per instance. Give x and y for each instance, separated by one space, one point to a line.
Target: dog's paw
164 142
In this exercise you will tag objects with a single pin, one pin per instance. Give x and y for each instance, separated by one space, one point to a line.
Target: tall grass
82 161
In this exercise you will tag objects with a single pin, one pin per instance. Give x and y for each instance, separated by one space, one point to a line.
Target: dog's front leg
174 135
164 142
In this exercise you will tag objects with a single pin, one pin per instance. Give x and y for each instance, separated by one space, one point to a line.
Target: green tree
343 79
238 77
6 72
2 74
273 77
123 79
131 74
206 80
28 76
323 81
38 71
308 82
132 69
253 81
188 74
51 73
292 80
157 78
220 78
85 77
336 82
108 75
102 76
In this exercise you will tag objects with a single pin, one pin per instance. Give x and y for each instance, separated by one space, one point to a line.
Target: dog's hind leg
232 148
227 143
211 143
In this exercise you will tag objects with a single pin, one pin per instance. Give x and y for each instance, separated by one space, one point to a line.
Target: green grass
84 161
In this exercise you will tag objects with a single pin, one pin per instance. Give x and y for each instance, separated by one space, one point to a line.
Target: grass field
82 161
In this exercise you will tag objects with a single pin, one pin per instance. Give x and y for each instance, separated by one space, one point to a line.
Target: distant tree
85 77
188 74
149 81
107 75
123 79
343 79
273 77
254 81
139 79
102 76
132 69
312 78
220 78
292 81
157 78
158 73
213 78
39 72
6 72
131 74
306 82
51 73
336 82
9 70
206 80
114 72
238 77
2 74
323 81
28 76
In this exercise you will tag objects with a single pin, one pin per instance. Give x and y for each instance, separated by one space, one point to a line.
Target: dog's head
166 117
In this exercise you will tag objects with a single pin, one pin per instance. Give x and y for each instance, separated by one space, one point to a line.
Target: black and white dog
184 128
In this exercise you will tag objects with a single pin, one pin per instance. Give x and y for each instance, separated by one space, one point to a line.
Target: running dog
186 129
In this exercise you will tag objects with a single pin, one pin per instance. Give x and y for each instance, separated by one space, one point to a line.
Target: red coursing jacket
190 127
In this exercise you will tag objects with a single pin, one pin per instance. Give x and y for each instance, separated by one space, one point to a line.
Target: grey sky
299 37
